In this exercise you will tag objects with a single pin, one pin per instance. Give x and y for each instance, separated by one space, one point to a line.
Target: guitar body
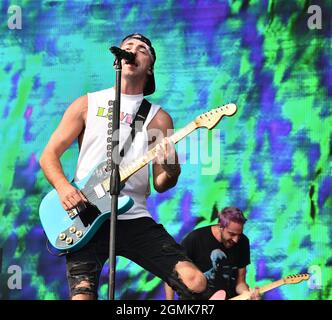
70 233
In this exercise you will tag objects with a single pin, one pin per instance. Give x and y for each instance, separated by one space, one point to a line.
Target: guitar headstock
296 278
211 118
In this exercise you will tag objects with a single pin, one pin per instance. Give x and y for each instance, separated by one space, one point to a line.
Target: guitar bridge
72 213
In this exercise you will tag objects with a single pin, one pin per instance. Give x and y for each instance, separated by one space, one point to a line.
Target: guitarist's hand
166 156
70 197
254 294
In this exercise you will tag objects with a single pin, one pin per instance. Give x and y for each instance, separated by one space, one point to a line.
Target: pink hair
231 214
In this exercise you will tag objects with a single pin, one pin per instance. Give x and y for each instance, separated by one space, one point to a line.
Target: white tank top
93 148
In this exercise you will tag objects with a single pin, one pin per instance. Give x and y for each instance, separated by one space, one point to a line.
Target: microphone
123 54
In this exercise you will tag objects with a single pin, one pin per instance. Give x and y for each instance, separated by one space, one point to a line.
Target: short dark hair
144 39
150 85
231 214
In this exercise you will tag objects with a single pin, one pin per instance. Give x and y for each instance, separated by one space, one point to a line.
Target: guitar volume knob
79 233
62 236
69 240
72 229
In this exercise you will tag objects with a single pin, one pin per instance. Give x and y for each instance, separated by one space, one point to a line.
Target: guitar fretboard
293 279
126 172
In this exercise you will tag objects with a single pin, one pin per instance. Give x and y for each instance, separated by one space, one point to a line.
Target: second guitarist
222 252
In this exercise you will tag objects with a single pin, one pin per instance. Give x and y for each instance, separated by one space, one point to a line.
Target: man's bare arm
169 292
166 168
70 127
241 284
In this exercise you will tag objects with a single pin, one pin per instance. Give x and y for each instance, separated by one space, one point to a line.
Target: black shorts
141 240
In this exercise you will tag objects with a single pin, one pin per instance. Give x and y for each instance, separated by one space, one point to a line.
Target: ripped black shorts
141 240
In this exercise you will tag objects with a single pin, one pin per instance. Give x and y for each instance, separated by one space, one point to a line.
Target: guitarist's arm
243 288
69 129
241 284
169 292
166 168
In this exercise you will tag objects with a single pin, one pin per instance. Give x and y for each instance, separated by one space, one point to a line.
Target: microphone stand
114 177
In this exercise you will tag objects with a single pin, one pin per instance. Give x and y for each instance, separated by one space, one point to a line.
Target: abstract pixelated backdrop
272 159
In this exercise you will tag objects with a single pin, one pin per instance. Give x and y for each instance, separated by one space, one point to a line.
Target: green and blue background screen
272 158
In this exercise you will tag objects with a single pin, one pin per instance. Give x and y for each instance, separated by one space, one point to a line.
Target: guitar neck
267 287
126 172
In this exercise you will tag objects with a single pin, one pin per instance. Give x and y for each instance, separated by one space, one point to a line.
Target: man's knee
191 276
84 290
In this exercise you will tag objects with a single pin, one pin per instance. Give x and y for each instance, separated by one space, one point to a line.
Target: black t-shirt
219 264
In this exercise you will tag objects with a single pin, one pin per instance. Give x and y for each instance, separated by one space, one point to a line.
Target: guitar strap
137 125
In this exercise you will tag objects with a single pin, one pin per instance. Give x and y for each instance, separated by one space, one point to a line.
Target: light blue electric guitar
70 230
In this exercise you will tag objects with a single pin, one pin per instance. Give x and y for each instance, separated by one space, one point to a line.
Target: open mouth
132 63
